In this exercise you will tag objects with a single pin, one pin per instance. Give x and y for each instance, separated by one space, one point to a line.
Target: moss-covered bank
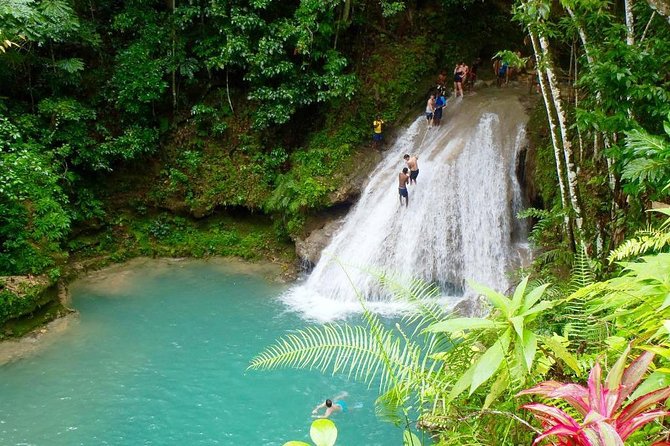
28 302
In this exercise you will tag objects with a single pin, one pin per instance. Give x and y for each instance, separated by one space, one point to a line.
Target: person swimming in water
337 404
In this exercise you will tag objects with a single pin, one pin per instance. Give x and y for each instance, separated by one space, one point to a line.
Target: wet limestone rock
309 248
472 306
28 303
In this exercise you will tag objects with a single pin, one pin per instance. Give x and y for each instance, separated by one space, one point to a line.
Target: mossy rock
21 296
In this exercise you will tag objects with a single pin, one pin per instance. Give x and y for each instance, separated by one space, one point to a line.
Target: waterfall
460 223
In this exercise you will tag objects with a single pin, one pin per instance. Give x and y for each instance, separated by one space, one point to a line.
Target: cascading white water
459 223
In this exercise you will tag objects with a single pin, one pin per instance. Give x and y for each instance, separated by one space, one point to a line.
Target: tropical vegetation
222 127
592 297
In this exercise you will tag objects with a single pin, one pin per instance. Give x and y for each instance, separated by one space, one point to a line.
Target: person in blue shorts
403 179
440 103
377 136
337 404
430 109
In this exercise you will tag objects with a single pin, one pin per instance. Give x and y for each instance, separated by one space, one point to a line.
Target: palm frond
420 294
362 354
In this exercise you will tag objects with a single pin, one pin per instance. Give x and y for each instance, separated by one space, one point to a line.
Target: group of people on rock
434 107
464 77
407 177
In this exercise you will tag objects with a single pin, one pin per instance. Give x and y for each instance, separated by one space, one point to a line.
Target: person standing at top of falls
459 73
440 103
403 179
500 71
442 82
471 78
413 164
377 136
430 109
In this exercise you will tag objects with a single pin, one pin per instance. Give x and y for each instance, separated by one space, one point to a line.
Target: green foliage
512 59
33 214
507 340
287 61
636 303
645 242
646 166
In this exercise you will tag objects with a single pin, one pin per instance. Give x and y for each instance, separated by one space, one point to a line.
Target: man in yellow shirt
377 136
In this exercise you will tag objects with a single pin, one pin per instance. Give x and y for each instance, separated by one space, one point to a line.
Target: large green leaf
499 386
323 432
490 361
498 300
409 438
554 344
613 380
533 296
544 305
462 323
517 323
517 298
657 380
463 383
529 348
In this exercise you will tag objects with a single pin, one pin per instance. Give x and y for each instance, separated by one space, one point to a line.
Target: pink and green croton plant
608 418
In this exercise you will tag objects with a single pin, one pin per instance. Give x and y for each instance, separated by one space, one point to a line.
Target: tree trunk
661 6
174 57
561 117
555 138
646 28
228 93
630 22
596 135
576 95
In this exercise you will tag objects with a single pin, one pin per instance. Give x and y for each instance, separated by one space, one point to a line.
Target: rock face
472 306
309 249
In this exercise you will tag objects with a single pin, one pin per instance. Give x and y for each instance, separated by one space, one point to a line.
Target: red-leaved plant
607 419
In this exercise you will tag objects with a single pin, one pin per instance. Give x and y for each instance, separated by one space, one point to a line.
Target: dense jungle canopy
252 106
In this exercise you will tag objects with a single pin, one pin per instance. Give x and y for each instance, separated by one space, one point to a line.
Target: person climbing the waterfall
442 82
377 136
413 164
336 404
440 103
471 78
500 71
403 179
430 109
459 72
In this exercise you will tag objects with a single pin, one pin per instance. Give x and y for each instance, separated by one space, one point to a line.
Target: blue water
158 356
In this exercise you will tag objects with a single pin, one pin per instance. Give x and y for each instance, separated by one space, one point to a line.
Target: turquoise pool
158 356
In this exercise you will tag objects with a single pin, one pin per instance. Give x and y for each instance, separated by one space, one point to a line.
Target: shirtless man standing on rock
412 163
403 179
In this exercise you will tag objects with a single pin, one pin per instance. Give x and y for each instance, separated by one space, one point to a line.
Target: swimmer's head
329 403
406 156
404 170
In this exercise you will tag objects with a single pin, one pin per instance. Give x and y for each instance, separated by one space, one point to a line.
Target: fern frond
645 145
645 242
582 270
353 350
420 294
